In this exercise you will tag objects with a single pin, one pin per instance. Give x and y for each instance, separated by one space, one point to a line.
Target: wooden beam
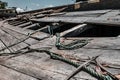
78 27
24 24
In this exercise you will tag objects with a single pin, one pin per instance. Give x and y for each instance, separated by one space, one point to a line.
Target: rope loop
74 45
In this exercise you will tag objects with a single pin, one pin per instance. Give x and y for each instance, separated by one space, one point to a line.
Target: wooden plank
95 13
111 13
24 24
18 23
75 30
8 74
104 43
32 25
64 19
21 22
40 16
108 17
73 17
111 21
13 22
8 40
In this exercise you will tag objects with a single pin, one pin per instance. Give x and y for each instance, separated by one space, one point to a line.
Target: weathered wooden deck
35 66
24 33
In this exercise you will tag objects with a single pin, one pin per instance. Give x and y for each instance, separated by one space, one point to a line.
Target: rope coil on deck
74 45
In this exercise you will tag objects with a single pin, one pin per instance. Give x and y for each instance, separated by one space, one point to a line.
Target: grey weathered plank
64 19
13 22
104 43
29 26
108 17
8 74
75 30
95 13
74 17
111 21
24 24
111 13
8 40
18 23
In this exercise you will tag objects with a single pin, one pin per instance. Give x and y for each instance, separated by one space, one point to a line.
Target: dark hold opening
93 31
97 31
36 27
59 29
64 28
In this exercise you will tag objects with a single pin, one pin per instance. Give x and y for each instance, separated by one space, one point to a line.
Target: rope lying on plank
80 67
74 45
85 68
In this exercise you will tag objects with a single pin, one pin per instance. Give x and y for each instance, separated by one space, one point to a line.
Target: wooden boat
24 40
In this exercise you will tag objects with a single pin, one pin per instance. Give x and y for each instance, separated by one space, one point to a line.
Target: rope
74 45
50 30
89 70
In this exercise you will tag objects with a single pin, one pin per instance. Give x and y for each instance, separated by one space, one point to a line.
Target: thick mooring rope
85 68
74 45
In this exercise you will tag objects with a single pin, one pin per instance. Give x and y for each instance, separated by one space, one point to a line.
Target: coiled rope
74 45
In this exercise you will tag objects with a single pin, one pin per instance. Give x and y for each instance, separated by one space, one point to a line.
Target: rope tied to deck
87 69
74 45
50 30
